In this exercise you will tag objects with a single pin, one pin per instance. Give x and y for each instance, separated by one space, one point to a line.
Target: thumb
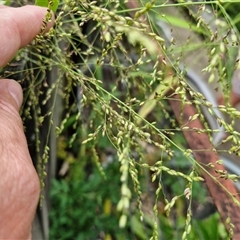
11 95
19 183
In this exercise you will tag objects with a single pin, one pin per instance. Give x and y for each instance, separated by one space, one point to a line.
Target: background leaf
45 3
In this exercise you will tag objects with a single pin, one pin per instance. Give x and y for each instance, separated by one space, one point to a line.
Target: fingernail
14 90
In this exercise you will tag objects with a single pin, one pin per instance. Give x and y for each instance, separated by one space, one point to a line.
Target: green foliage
77 202
51 4
95 83
3 2
84 208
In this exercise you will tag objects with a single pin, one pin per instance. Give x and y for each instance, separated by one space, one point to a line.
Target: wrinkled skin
19 183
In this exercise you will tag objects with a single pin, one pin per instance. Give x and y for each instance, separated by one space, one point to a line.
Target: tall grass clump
99 122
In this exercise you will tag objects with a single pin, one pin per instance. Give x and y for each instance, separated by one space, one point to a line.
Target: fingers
19 185
18 27
12 92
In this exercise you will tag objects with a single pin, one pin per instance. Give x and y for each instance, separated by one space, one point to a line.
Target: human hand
19 183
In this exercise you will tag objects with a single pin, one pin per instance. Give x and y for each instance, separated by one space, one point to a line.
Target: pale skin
19 182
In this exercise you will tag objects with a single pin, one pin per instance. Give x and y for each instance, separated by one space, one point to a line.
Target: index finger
18 27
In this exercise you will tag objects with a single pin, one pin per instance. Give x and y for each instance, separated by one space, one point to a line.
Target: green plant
95 84
51 4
